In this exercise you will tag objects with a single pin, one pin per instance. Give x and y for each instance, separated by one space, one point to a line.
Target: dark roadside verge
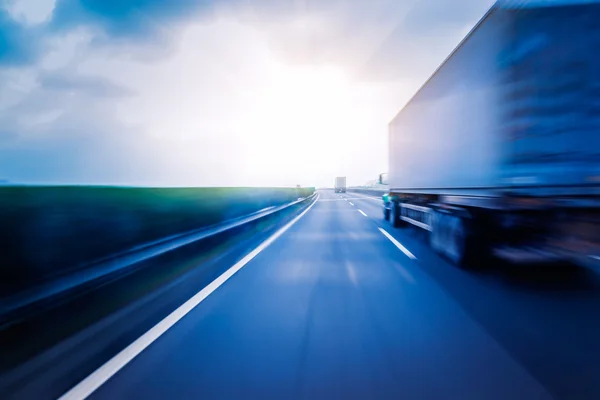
43 357
52 231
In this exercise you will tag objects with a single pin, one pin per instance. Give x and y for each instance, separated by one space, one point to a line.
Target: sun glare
245 115
304 112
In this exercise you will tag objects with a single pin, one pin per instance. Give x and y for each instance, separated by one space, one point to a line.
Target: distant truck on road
499 151
340 184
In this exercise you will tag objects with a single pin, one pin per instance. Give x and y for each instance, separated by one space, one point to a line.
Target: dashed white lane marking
87 386
351 203
398 244
595 257
363 213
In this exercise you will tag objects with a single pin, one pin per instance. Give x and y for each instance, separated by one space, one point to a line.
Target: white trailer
340 184
500 149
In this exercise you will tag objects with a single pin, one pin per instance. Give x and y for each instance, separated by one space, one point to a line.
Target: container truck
340 184
498 153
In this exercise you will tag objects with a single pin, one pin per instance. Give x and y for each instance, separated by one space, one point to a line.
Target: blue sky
235 92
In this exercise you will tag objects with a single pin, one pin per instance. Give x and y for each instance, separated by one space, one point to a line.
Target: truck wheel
449 237
386 214
394 215
434 235
456 249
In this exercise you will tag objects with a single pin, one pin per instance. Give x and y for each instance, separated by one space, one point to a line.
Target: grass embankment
49 230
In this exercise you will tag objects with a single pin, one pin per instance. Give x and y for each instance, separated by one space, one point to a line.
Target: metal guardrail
117 262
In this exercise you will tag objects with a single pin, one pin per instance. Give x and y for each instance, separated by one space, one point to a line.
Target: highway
340 305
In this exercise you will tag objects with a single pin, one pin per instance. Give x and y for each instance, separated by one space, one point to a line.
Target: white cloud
254 96
30 12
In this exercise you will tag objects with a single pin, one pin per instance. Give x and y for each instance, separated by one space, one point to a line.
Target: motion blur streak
324 312
468 269
499 151
92 382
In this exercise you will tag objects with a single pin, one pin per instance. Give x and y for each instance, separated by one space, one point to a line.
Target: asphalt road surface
341 305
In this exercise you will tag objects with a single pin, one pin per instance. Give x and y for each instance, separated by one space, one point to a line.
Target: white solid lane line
351 203
373 198
364 196
398 244
321 200
363 213
344 198
87 386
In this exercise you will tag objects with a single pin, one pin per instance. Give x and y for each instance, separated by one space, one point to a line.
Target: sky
213 93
